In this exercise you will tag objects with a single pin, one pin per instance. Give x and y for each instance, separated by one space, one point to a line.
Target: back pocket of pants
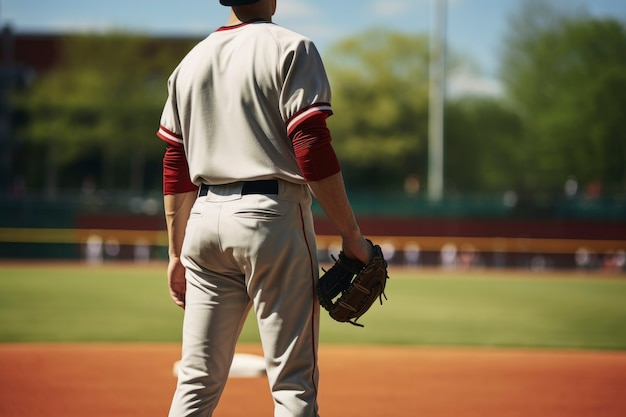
258 214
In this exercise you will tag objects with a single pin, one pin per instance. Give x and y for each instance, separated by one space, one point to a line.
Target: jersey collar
249 22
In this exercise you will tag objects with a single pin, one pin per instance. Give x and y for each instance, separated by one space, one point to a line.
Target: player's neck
241 17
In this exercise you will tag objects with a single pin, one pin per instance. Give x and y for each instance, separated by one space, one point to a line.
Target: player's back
231 96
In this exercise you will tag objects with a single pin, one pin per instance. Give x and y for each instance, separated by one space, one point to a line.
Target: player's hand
358 248
177 282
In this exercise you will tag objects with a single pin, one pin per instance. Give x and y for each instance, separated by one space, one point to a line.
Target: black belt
249 187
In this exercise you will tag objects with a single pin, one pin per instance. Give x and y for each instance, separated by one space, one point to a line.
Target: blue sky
475 27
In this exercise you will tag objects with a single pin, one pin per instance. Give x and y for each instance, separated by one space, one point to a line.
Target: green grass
115 303
86 304
495 310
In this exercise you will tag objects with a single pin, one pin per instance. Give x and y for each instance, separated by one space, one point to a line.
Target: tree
380 100
565 73
98 110
483 139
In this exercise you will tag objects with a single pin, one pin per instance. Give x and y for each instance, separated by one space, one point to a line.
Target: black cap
236 2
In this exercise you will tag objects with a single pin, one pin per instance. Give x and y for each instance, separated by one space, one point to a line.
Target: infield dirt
124 380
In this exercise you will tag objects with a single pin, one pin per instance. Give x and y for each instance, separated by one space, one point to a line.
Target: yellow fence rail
422 243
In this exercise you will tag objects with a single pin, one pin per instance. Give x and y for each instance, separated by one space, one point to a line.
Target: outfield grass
131 303
517 310
86 303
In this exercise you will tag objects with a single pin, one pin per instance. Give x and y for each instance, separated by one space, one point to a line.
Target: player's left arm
177 209
179 195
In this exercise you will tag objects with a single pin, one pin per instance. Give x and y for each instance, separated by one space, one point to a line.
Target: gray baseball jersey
269 80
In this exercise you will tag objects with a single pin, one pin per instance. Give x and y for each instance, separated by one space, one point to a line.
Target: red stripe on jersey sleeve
169 136
304 114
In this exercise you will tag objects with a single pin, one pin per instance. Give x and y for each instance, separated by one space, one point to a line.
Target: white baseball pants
245 251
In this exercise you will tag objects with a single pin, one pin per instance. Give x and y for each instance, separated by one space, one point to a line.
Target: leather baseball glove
350 287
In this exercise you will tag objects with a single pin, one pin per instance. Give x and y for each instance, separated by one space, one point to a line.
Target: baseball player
247 144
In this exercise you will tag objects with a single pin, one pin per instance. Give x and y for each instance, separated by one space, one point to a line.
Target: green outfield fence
454 232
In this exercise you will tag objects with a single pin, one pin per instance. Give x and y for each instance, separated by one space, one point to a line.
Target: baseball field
80 340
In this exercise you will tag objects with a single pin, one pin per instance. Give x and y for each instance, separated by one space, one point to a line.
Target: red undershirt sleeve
311 141
176 177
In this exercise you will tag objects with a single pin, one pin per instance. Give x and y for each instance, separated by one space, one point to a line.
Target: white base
244 365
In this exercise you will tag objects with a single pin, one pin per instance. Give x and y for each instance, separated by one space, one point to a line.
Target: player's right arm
305 102
331 195
319 165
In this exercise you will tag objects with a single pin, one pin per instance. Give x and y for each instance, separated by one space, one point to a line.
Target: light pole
437 101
